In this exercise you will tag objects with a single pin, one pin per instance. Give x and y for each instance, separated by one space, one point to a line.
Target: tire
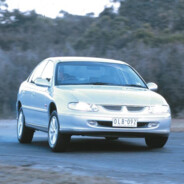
156 142
111 138
57 142
24 134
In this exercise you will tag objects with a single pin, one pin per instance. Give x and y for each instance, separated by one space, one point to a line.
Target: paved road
126 160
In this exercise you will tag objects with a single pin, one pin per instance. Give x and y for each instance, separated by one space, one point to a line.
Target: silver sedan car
67 96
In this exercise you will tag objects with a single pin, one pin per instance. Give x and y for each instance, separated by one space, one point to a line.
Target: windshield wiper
104 83
134 85
88 83
97 83
100 83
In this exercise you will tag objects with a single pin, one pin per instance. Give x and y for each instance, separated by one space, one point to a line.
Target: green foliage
147 34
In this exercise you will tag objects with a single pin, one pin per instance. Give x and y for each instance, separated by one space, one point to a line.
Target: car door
41 98
28 97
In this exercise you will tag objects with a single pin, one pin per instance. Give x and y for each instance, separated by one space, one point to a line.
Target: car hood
111 95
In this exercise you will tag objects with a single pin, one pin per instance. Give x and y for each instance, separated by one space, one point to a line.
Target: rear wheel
24 134
58 142
111 138
156 142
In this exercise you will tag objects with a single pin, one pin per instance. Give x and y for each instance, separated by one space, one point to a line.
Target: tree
3 7
148 34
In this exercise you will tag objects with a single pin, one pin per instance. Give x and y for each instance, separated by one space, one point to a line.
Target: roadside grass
21 175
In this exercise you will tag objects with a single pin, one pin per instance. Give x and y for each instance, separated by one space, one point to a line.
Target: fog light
152 124
92 123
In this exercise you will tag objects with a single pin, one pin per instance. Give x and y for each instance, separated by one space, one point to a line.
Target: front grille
119 108
105 123
142 124
134 108
109 124
112 107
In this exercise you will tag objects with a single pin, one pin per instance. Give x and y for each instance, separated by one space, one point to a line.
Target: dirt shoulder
21 175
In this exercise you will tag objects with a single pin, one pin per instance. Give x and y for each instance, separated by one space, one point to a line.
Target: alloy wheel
20 124
53 131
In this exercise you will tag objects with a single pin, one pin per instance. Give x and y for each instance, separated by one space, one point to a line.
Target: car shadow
94 144
40 143
102 145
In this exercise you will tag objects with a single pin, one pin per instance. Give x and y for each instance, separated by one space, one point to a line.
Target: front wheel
58 142
24 134
156 142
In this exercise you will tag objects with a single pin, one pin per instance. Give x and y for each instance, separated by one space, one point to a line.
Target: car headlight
159 109
82 106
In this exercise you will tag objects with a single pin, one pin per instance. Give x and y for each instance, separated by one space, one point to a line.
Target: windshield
97 73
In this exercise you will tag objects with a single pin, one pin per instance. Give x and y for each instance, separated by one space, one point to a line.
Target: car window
48 71
130 77
37 71
97 73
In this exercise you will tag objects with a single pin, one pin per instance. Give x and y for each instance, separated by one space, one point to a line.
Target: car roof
88 59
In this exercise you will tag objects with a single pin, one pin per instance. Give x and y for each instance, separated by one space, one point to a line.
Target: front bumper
80 124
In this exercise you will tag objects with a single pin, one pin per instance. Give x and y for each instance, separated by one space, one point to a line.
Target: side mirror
152 86
42 82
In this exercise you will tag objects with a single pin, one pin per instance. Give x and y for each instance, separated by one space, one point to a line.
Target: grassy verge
22 175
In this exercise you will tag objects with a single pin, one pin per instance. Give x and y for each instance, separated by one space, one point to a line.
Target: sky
51 8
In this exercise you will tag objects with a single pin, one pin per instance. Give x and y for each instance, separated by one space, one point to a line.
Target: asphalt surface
126 160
